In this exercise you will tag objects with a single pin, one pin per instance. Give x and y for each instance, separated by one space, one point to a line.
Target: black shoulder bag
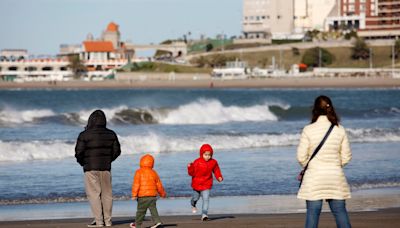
301 174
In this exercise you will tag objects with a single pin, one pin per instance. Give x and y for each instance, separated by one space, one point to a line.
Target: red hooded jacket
201 170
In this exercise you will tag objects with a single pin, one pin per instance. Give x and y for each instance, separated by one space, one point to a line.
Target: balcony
383 18
388 3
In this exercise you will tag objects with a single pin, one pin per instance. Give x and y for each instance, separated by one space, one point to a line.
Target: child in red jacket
201 172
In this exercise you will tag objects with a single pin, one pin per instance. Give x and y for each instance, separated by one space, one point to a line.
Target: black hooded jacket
97 146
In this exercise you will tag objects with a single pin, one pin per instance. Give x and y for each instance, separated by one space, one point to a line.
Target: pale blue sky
42 25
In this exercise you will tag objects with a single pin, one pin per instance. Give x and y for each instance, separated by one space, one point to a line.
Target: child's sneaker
194 210
156 225
132 225
204 218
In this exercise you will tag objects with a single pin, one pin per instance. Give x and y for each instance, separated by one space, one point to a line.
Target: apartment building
372 18
263 19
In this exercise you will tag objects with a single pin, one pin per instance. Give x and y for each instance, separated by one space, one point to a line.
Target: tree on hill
76 65
209 47
396 49
360 49
317 56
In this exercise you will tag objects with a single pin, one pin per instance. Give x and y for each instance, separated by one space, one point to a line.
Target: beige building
112 34
263 19
311 14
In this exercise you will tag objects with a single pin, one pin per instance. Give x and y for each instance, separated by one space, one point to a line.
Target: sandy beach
306 82
383 218
368 208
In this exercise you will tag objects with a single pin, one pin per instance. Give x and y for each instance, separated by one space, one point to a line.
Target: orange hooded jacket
146 181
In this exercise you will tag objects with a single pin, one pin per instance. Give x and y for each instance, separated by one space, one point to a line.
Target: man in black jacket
95 149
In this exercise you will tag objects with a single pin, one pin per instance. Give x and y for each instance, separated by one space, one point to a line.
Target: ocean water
254 133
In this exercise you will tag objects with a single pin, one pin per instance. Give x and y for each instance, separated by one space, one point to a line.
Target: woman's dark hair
323 106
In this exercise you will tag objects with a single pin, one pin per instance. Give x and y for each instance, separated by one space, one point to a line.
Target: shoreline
381 218
293 82
365 200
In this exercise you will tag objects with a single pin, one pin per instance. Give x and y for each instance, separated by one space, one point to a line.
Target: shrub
311 57
360 49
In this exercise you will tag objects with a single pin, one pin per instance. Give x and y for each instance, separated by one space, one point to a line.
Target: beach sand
382 219
292 82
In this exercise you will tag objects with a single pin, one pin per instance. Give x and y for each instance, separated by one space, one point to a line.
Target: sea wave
13 116
161 143
206 111
134 144
374 135
373 185
201 111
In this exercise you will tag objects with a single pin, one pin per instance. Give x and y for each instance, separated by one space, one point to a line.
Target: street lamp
394 42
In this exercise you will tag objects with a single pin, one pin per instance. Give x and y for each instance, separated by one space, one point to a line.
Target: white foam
13 116
109 112
35 150
211 111
374 135
152 142
375 185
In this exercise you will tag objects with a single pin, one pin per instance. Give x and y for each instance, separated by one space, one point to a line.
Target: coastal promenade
282 82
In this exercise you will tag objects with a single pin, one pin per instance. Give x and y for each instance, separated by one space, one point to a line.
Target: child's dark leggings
143 204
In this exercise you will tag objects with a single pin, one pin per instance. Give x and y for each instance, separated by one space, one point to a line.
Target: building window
357 24
245 18
30 68
257 18
263 17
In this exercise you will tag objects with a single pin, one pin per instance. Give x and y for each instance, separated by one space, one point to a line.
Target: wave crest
12 116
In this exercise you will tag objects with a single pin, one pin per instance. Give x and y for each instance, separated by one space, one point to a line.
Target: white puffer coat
324 178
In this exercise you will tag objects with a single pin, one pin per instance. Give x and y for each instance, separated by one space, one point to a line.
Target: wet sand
382 219
293 82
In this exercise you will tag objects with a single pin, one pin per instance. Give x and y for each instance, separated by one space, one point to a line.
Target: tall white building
311 14
267 18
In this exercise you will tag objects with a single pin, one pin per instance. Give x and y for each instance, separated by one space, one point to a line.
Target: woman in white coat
324 178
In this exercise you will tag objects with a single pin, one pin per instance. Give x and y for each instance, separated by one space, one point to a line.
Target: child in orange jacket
145 188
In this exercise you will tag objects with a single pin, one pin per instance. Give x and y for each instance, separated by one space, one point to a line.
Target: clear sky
42 25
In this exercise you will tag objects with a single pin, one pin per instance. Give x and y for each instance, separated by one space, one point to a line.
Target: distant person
324 178
201 171
145 188
96 147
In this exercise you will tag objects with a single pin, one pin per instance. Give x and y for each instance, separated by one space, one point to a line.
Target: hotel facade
283 18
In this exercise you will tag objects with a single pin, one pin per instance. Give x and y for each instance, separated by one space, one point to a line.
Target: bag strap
319 146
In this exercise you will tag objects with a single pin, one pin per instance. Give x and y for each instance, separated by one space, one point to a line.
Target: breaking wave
13 116
159 143
202 111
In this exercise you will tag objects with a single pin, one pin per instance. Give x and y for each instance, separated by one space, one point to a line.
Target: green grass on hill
162 68
380 58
